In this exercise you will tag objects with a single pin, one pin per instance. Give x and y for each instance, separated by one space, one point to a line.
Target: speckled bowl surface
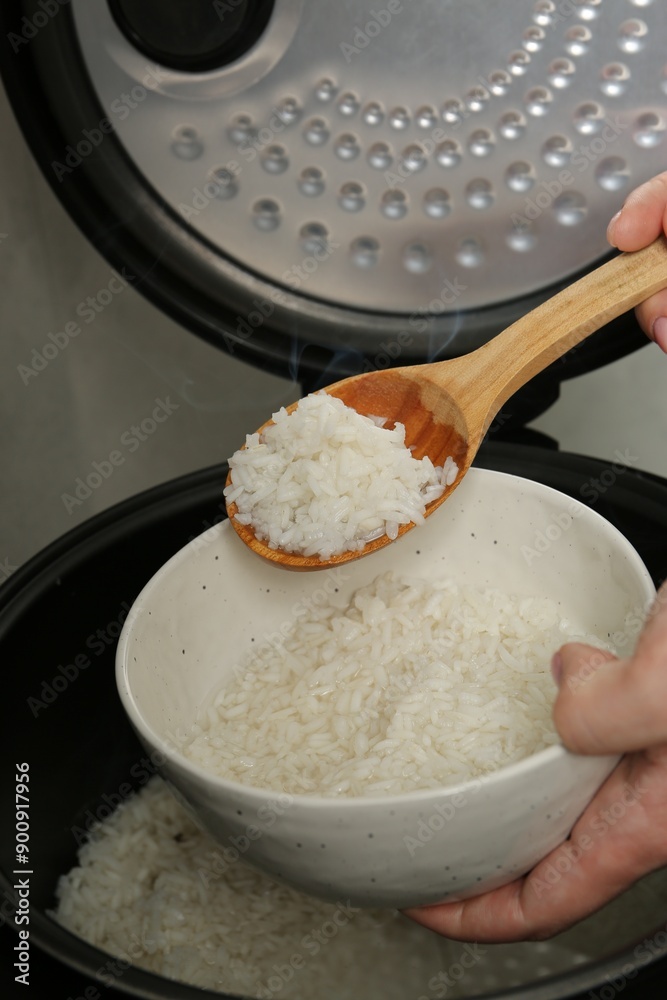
196 619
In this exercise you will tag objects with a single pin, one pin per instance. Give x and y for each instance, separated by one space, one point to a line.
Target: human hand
604 706
640 221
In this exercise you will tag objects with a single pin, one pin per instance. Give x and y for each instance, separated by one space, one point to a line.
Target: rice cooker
321 189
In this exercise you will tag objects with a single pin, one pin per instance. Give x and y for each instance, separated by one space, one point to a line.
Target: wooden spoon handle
527 347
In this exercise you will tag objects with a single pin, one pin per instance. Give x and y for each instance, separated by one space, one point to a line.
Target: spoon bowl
447 407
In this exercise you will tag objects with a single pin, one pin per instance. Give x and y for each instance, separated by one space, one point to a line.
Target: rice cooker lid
290 177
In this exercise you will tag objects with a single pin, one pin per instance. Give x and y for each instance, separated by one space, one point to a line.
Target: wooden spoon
447 407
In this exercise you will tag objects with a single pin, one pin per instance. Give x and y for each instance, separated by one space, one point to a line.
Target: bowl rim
547 757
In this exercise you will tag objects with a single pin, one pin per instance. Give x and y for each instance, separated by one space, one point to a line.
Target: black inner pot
60 616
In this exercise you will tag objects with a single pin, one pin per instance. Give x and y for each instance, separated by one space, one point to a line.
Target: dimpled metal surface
411 144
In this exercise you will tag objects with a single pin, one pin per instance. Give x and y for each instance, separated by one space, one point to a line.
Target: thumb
591 701
606 705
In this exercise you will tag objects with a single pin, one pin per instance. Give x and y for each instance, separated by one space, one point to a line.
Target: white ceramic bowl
195 619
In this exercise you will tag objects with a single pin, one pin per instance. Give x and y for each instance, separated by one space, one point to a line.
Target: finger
618 839
652 317
591 712
491 918
643 216
617 707
609 706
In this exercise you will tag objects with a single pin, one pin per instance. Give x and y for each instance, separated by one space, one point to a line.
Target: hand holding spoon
447 407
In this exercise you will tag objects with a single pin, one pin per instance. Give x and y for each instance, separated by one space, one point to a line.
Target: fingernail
611 226
557 668
660 332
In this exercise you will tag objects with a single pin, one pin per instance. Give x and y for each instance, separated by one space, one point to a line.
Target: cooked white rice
153 890
325 480
415 684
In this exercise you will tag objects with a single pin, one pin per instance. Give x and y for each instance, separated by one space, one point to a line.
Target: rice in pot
153 891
